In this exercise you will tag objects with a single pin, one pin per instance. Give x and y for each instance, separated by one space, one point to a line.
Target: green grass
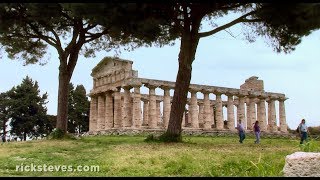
132 156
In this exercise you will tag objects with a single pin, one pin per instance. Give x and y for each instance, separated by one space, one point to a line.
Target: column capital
151 86
219 91
282 98
205 91
144 100
194 90
165 87
271 98
127 87
262 96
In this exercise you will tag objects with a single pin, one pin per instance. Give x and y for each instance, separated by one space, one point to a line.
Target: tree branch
238 20
96 36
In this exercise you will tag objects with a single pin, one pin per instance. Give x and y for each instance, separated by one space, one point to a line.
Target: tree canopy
26 29
282 24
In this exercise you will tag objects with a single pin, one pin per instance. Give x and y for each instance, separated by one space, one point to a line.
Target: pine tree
27 109
4 112
78 108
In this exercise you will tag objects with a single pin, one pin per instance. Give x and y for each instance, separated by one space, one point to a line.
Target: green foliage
4 114
27 109
286 24
310 146
56 134
315 131
78 109
59 134
130 156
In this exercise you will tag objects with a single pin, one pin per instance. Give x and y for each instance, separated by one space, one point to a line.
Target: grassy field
132 156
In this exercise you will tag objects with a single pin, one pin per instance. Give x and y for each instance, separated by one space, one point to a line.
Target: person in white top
303 130
241 131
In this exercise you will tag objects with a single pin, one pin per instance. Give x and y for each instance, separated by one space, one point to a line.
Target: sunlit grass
132 156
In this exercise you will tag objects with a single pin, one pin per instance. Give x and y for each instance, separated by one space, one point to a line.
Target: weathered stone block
305 164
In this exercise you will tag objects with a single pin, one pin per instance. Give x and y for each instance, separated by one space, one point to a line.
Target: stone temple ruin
114 107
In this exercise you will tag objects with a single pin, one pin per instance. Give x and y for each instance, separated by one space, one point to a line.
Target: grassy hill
132 156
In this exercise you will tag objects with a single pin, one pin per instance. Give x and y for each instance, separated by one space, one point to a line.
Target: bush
59 134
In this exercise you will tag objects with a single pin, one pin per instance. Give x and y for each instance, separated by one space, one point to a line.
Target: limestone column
230 113
213 118
108 110
117 109
262 113
166 106
193 110
272 115
152 120
183 123
145 112
251 112
136 113
206 111
93 114
200 116
241 111
158 112
282 116
127 113
101 112
219 114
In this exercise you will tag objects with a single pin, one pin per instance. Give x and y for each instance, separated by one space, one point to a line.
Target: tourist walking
256 130
241 131
303 131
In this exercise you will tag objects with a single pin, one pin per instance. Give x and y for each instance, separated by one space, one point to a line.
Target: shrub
59 134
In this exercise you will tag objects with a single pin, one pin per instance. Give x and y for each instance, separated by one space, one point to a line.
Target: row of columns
108 110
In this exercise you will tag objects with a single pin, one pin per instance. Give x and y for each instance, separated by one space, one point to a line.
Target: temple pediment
111 70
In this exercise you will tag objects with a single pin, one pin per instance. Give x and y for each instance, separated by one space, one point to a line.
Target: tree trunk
4 130
187 53
24 136
179 100
62 114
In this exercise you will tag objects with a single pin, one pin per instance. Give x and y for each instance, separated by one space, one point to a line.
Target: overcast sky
221 60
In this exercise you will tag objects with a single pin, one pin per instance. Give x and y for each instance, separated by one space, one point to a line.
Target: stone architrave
145 112
117 109
108 110
282 116
101 112
219 114
230 113
136 113
193 110
93 114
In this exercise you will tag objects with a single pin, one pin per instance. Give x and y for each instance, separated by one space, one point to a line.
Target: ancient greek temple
117 102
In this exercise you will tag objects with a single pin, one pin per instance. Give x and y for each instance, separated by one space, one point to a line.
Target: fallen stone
302 164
